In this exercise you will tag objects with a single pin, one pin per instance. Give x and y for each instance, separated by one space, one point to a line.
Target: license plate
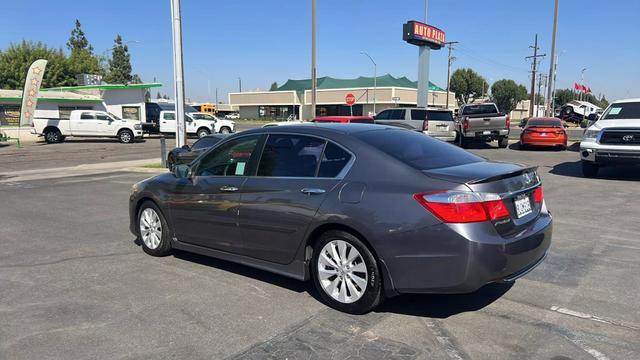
543 134
486 132
523 206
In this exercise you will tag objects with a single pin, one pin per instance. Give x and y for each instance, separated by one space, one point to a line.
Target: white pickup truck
87 123
613 139
199 124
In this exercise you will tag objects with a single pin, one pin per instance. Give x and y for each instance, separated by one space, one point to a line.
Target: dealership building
126 101
294 97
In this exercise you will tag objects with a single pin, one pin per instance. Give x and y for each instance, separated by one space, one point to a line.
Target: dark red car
344 119
544 132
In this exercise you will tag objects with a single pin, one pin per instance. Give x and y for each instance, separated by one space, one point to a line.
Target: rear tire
503 142
125 136
153 230
461 142
171 162
590 170
356 279
53 136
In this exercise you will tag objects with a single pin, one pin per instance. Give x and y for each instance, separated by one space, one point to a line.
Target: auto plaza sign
420 34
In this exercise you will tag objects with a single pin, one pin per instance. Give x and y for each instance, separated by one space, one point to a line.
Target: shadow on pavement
443 306
518 147
574 169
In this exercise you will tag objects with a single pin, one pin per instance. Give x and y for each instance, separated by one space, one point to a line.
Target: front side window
397 114
231 159
290 156
205 142
102 117
333 161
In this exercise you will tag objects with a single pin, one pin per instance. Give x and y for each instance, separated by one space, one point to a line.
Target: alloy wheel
342 272
150 228
125 137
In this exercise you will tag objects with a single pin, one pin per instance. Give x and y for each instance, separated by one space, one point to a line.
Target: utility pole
178 73
239 84
451 60
534 70
552 66
542 80
375 80
313 59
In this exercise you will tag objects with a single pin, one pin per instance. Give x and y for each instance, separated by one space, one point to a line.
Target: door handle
312 191
229 189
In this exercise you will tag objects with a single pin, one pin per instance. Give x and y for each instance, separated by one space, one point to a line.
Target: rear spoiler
531 169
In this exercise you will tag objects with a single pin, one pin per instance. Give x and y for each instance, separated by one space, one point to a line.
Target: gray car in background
363 211
435 122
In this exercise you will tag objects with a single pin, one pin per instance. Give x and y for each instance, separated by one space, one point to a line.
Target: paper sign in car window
615 111
240 168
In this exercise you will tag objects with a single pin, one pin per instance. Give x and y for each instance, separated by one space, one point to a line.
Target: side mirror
182 171
185 147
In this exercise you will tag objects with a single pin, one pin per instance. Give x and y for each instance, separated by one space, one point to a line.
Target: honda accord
364 211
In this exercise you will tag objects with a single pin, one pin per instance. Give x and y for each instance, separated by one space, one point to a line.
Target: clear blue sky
263 41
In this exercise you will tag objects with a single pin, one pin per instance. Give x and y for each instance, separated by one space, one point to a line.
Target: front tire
590 170
203 132
225 130
153 230
503 142
125 136
346 273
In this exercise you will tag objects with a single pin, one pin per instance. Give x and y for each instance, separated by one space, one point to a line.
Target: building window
275 112
64 112
9 115
131 112
339 110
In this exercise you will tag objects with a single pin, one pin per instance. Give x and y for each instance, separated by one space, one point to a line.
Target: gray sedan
363 211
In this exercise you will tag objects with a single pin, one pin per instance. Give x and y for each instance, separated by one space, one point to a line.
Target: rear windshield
630 110
479 109
440 116
544 123
416 149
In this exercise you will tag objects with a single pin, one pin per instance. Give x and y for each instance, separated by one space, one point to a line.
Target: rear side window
417 150
479 109
205 142
383 115
397 114
334 160
290 156
440 116
418 114
87 116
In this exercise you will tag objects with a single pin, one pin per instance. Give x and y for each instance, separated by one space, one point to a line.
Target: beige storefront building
294 97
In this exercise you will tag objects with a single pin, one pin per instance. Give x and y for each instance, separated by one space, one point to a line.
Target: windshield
630 110
416 150
200 116
114 116
440 116
544 123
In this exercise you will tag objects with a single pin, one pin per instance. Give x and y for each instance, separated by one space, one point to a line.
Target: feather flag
31 91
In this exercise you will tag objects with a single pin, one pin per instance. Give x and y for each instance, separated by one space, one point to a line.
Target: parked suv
437 123
614 139
482 122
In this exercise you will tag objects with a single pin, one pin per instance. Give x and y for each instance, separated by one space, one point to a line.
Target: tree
119 64
16 59
82 60
506 94
135 79
467 85
274 86
158 95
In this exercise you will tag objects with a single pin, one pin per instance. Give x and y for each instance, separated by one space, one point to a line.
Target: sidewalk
80 170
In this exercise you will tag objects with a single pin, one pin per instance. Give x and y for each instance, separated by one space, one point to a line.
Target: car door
294 176
204 210
106 125
86 125
190 123
168 122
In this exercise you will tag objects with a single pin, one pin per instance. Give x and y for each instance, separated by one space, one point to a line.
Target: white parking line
588 349
586 316
445 341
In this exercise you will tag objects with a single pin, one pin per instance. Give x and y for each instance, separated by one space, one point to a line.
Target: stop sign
350 99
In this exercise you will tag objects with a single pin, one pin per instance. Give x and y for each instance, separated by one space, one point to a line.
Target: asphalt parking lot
75 285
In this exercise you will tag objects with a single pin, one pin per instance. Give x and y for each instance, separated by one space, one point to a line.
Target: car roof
322 129
343 118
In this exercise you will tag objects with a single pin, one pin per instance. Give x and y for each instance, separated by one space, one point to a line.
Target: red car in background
544 132
344 119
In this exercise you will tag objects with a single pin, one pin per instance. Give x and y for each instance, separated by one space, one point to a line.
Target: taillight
463 206
538 196
508 122
425 125
465 123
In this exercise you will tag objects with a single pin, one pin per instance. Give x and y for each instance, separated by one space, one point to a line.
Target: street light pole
552 66
583 96
239 84
451 59
423 68
313 59
375 79
178 73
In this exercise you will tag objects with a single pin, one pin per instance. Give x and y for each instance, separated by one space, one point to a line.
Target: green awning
360 82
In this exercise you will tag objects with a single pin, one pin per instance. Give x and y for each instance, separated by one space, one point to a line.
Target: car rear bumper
541 141
469 262
486 134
